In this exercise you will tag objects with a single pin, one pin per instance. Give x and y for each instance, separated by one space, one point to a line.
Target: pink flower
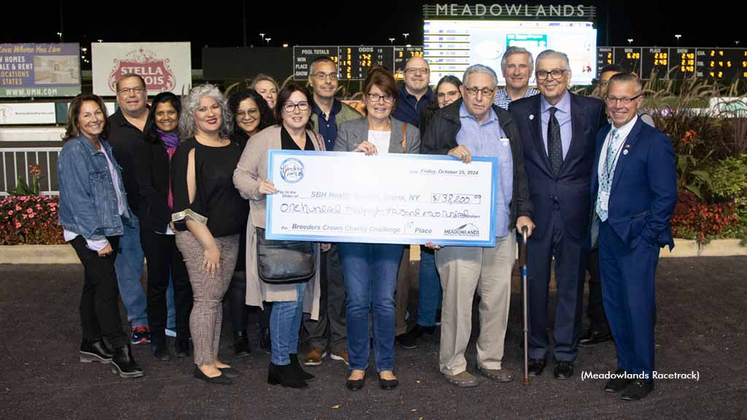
10 212
38 207
18 208
29 211
31 216
18 225
24 216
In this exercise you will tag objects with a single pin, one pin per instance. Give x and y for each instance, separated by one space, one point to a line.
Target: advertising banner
165 66
39 70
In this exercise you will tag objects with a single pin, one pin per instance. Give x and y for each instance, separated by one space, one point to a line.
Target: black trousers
99 303
595 308
165 261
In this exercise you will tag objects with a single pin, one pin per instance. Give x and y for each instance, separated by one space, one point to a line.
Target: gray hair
517 50
626 77
191 102
554 54
479 69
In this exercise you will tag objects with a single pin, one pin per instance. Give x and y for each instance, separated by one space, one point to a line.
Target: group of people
590 184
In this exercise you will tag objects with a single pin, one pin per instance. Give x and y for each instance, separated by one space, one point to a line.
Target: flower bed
29 220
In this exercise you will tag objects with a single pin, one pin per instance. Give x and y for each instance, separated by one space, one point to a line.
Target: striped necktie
605 181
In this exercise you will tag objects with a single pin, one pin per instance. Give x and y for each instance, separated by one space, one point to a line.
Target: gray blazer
354 132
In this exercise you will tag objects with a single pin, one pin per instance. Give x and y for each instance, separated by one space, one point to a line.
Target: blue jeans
170 308
429 292
370 272
129 267
285 323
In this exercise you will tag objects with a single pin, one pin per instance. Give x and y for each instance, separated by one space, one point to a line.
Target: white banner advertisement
27 113
165 66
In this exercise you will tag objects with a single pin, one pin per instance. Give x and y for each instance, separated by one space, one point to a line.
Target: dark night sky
219 24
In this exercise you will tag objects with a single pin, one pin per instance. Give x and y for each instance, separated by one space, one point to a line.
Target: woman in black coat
156 231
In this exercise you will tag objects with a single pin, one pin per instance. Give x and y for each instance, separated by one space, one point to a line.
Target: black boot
181 347
285 376
158 346
96 351
241 344
124 364
299 370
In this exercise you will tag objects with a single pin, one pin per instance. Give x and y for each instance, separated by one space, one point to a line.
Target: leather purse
284 261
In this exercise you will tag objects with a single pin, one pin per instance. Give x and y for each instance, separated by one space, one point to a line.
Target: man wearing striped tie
634 185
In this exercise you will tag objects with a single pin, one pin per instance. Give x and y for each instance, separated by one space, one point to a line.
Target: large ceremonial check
393 198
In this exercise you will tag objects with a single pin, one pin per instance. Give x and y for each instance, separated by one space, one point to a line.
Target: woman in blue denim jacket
93 209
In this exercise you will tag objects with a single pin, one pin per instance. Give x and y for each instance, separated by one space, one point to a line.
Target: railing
17 161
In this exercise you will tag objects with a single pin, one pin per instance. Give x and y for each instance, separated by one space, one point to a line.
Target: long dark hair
164 97
266 118
72 130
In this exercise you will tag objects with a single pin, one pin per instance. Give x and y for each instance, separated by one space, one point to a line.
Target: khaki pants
464 270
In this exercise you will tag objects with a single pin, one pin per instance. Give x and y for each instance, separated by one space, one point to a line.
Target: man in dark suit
558 130
634 185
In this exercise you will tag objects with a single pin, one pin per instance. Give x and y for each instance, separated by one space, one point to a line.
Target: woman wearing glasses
289 301
370 270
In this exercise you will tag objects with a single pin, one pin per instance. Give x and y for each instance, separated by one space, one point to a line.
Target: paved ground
702 303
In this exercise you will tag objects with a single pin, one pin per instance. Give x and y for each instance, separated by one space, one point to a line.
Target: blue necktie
605 181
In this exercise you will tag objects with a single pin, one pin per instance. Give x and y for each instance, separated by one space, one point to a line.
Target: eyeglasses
290 107
624 101
421 70
556 73
375 97
135 90
473 91
322 76
251 113
450 94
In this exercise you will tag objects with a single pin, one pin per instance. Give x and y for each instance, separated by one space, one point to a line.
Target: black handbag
284 262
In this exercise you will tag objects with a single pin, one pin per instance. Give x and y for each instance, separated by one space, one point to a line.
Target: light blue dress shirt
563 114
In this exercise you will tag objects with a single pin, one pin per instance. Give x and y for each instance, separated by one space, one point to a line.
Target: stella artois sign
163 66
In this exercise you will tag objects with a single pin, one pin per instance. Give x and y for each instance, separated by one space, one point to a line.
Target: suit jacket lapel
630 142
535 127
578 126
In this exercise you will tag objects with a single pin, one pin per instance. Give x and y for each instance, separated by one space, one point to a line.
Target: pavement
701 304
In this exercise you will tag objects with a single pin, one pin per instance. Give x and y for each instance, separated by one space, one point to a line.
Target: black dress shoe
181 347
637 390
356 385
160 352
387 384
407 341
124 364
563 370
221 379
96 351
618 383
593 337
536 366
230 372
306 376
241 344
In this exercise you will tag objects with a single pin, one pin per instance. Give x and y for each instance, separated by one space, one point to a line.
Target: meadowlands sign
496 10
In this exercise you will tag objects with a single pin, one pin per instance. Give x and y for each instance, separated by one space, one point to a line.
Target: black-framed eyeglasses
136 90
290 106
414 70
473 91
375 97
555 73
624 101
322 76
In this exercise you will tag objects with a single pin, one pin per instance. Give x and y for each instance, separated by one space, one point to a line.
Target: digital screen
450 46
353 62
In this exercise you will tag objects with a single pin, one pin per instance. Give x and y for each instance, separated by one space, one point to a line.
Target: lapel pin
625 152
531 117
627 146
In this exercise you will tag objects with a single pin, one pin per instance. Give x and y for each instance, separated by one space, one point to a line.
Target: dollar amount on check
395 198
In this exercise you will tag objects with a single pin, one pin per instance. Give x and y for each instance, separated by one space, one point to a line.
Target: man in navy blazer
634 190
558 130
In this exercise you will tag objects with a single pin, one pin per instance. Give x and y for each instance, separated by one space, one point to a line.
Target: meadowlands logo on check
468 230
291 170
